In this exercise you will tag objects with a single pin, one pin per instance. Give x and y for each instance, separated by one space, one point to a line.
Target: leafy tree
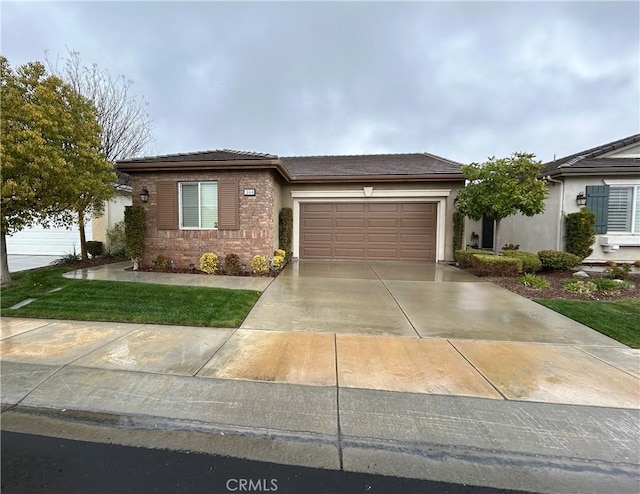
50 148
502 187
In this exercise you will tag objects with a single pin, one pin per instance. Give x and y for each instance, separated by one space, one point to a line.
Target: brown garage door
383 230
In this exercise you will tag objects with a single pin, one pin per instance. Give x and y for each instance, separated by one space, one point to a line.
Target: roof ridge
249 153
603 148
354 155
441 158
572 161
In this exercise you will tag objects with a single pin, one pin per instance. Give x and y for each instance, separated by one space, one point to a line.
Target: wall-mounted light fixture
581 199
144 194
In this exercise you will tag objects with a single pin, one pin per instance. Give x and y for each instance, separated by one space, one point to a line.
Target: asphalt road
38 464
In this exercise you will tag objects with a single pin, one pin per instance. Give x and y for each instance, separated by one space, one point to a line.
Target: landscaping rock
580 274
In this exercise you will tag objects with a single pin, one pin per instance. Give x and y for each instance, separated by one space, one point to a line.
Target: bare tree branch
126 125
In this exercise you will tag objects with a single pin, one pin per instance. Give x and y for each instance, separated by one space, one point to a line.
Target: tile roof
210 155
589 159
418 165
370 164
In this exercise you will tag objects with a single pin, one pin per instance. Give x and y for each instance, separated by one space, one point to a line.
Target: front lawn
124 301
618 319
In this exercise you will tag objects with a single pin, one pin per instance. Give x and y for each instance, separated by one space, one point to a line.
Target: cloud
463 80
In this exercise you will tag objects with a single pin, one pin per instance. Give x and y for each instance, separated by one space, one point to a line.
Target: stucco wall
547 230
255 236
113 213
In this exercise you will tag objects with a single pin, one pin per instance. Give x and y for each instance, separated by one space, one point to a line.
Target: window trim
635 193
180 214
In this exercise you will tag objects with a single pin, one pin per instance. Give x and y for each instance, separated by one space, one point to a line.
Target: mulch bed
98 261
197 271
556 290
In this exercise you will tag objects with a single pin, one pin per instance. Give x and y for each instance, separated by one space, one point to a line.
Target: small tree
49 143
502 187
581 232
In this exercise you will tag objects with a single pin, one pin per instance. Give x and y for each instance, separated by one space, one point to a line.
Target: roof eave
435 177
587 172
179 166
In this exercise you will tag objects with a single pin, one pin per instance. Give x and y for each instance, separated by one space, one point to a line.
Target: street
38 464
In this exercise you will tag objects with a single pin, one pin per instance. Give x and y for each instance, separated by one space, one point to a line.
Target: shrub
486 265
511 247
530 262
285 225
458 230
232 264
464 256
279 252
580 228
533 281
580 287
556 259
637 263
162 263
278 262
134 231
259 265
209 262
611 287
620 272
117 239
94 248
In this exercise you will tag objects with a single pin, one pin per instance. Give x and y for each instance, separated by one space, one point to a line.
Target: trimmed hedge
94 248
531 263
232 264
580 228
487 265
209 263
259 265
464 256
134 231
558 260
286 229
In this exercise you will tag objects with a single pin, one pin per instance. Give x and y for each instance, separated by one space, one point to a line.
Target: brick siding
183 247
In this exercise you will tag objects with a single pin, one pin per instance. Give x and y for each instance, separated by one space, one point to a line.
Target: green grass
124 301
619 319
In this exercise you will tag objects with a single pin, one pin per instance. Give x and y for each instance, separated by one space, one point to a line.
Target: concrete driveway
410 299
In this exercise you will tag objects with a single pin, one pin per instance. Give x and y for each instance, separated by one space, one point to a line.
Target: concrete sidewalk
548 418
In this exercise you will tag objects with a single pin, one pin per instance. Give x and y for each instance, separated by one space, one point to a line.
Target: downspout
560 210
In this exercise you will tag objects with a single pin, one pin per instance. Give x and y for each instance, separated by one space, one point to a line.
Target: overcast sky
464 80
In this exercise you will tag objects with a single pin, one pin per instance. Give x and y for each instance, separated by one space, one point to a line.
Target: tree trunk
496 236
4 274
83 237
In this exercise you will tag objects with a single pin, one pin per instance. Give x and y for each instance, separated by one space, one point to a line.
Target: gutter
560 210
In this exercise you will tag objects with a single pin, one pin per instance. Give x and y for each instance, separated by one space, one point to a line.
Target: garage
41 241
368 230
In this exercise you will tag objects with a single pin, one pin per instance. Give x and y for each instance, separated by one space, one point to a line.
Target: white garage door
46 241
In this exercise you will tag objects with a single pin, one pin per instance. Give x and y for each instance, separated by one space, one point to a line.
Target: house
60 241
382 207
606 179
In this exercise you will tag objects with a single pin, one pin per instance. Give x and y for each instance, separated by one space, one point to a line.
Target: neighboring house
60 241
383 207
607 179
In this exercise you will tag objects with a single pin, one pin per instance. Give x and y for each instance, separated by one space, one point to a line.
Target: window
623 212
199 205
